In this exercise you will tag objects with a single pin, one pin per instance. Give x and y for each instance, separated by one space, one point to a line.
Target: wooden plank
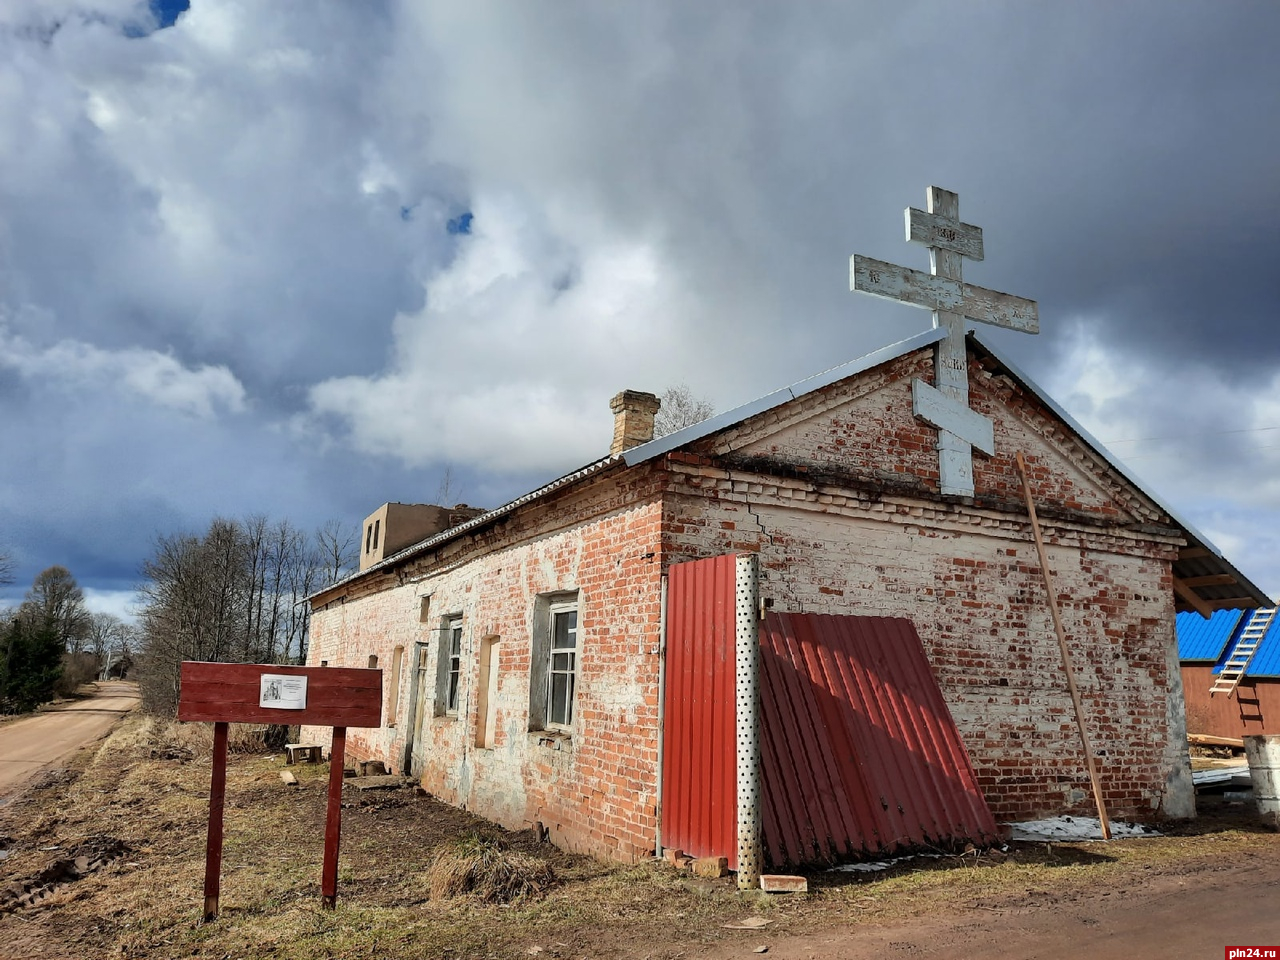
336 696
892 282
1192 599
333 820
944 233
1205 740
213 839
1234 603
248 673
348 716
939 410
1213 580
1193 553
1066 652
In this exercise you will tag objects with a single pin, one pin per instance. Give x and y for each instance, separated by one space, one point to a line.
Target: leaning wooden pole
1066 653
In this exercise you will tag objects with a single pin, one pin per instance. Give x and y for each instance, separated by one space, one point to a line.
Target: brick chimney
632 419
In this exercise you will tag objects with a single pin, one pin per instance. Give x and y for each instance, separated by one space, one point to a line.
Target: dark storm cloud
228 283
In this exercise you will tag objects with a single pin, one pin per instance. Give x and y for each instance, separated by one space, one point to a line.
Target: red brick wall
596 791
842 535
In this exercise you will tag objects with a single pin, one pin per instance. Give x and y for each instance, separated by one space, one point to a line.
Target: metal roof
446 535
721 421
1200 562
1212 641
1266 660
1201 639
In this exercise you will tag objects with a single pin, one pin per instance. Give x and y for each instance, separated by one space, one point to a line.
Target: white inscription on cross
943 291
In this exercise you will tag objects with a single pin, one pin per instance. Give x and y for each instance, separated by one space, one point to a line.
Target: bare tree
56 601
7 567
680 409
336 545
236 594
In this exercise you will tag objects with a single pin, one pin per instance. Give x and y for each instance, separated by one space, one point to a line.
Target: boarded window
487 692
393 689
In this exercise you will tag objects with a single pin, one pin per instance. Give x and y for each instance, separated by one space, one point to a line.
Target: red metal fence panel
699 761
859 751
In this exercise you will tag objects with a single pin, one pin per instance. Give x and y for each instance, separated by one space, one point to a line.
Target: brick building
522 648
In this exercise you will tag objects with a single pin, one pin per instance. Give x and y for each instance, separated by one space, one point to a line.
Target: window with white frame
449 674
556 653
564 665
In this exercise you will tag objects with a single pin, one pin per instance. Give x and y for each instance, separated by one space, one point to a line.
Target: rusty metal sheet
699 761
859 751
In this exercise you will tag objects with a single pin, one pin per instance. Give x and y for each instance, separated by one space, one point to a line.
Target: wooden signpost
223 693
945 405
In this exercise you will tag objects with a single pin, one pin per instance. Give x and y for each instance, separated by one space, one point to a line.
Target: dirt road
1170 917
32 743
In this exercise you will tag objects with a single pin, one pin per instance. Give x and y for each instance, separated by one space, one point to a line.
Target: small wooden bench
299 752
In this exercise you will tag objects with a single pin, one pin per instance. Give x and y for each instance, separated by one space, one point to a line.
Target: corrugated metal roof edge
672 441
445 535
1198 538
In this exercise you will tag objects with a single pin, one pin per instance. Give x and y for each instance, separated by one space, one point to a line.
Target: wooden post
1066 653
213 844
333 822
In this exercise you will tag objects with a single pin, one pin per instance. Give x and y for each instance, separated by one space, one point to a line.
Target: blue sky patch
460 223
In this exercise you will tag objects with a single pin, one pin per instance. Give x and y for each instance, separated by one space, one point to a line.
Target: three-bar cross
943 291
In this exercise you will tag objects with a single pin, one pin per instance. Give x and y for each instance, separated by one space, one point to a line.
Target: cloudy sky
298 258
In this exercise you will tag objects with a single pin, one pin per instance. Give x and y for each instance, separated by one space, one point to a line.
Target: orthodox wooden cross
952 301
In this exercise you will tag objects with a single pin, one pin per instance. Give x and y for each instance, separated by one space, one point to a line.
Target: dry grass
487 868
419 879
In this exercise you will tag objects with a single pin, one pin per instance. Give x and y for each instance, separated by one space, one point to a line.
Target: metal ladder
1242 653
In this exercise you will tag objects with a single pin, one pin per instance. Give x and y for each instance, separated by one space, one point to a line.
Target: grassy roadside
138 802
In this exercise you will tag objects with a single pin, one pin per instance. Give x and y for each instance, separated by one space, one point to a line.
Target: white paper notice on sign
282 692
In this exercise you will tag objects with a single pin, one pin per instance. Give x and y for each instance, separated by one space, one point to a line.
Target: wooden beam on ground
1066 652
1192 599
1213 580
1205 740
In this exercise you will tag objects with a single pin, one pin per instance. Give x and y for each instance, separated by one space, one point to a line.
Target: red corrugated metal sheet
859 751
699 762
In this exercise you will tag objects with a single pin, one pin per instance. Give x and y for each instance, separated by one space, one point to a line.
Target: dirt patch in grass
146 787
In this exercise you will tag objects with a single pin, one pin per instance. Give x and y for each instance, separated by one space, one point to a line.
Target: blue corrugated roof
1201 639
1266 662
1213 639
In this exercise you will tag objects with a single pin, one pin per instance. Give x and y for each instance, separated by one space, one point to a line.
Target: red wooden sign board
223 693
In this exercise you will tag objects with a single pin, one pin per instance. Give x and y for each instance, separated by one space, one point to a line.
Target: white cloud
510 364
1207 445
120 603
156 378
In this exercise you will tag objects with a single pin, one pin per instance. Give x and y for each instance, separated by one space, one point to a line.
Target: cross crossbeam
945 404
891 282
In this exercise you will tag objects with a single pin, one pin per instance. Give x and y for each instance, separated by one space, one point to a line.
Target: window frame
449 666
574 654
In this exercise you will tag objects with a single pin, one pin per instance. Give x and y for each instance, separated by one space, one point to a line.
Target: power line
1183 453
1183 436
